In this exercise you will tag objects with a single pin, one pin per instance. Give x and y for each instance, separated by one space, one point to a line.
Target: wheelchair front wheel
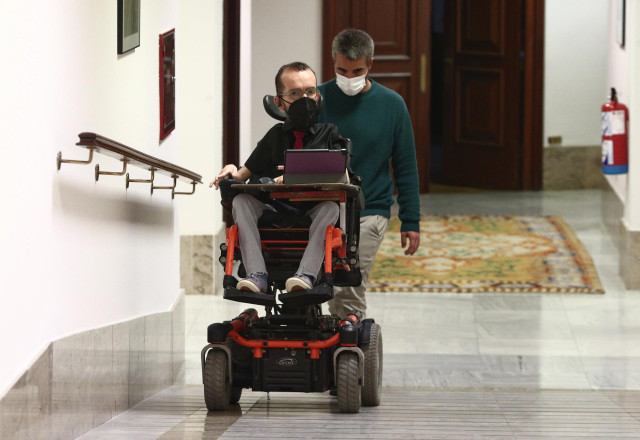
217 384
349 390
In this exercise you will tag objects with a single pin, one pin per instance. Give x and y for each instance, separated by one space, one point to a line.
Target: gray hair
353 44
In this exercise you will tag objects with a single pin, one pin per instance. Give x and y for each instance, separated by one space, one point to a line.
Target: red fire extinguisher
615 124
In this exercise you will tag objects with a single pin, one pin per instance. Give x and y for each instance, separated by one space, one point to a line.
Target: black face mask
303 113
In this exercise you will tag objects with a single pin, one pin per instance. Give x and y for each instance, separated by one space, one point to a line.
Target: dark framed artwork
128 25
167 83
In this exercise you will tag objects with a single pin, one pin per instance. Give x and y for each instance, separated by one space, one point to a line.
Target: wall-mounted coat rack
127 155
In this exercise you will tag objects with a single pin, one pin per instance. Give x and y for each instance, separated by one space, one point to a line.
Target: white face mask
351 86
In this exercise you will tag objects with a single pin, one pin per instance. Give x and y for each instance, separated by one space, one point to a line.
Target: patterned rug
486 253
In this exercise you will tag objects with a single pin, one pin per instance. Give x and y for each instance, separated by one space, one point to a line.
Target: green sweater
378 124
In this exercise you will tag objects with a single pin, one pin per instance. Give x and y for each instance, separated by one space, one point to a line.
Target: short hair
297 66
353 44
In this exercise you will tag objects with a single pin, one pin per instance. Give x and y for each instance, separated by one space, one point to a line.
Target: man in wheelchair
287 241
298 98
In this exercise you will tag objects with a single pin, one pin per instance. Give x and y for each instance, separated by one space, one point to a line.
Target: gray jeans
246 212
346 299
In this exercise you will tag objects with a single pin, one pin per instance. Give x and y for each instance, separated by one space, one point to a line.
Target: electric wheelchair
294 347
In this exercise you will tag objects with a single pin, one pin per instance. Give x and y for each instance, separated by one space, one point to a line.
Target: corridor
456 366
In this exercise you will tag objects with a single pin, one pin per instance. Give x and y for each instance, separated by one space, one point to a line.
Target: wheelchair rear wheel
372 383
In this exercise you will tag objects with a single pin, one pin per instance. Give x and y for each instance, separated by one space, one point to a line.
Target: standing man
377 121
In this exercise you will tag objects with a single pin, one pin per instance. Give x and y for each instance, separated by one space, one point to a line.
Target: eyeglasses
296 94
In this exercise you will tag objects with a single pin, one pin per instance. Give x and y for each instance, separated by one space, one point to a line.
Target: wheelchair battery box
283 369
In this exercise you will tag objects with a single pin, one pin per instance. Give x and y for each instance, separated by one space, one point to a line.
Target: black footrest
244 296
316 295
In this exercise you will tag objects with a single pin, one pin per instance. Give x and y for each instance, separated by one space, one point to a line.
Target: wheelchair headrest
272 109
275 112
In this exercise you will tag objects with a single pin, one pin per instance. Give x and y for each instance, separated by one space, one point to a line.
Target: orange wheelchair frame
294 347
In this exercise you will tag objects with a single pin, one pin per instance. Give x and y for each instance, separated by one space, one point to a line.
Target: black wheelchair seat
284 220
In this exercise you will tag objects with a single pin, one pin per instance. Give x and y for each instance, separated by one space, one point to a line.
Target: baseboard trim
84 380
200 271
629 256
578 167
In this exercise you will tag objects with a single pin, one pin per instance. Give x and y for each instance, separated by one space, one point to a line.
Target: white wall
623 70
576 44
199 111
78 255
632 205
282 31
617 60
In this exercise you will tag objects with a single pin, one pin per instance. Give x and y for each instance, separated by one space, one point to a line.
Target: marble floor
517 366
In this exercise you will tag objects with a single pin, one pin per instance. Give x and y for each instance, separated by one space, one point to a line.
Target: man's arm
231 170
405 172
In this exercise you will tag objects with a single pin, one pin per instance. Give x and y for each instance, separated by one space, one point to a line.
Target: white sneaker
255 282
298 282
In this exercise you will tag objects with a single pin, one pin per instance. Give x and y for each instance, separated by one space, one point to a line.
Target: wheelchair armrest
347 149
226 192
360 200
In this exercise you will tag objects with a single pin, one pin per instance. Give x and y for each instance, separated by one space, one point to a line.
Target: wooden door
231 89
484 94
400 30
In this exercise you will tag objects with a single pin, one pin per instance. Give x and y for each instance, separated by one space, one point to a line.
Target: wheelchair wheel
217 386
372 384
349 390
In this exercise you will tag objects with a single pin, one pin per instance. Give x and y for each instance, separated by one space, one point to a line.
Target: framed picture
620 13
128 25
167 83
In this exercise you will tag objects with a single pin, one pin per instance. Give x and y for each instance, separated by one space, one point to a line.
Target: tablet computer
315 166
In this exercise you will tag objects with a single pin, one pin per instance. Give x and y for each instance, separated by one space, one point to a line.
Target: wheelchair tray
288 186
351 190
